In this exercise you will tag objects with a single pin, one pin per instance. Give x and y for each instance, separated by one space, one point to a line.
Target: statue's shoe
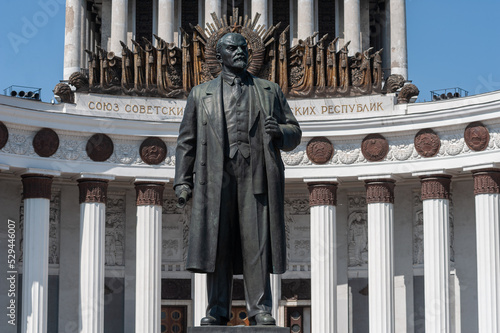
262 319
212 321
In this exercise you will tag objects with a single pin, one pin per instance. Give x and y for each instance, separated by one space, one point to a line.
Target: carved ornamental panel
175 231
357 230
114 242
297 229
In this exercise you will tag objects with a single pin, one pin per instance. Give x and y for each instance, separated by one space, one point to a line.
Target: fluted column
166 19
276 292
486 190
72 46
260 6
399 58
200 297
323 201
148 256
305 18
380 200
212 6
435 197
36 196
93 193
352 25
119 19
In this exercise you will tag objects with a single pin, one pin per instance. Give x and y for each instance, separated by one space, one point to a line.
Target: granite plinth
238 329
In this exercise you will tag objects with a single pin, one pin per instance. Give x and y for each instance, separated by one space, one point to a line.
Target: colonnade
80 30
435 193
93 194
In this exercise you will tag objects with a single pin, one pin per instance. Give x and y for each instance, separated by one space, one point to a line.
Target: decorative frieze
92 190
36 186
149 193
487 181
380 191
322 194
126 151
435 187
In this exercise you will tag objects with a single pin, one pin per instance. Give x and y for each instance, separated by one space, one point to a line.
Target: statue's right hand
183 194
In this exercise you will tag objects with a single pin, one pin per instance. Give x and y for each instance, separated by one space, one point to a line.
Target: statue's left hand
272 128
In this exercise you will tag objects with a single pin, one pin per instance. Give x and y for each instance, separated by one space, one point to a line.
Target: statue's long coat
200 160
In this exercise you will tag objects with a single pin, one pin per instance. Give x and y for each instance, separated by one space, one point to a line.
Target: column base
238 329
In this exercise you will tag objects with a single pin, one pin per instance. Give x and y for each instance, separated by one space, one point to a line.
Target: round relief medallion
427 143
476 136
46 142
319 150
374 147
99 147
153 151
4 135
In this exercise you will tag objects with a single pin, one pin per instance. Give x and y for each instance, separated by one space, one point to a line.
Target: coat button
203 163
203 182
204 142
204 122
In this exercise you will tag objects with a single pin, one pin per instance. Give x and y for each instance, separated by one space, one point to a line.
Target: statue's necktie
236 92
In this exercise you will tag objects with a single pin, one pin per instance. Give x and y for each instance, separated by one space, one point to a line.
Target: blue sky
451 43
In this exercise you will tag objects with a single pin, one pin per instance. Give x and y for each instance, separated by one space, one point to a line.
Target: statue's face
234 52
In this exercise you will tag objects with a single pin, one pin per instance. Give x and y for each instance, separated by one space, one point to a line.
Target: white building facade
392 210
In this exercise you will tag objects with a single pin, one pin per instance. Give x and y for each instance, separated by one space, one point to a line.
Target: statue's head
232 52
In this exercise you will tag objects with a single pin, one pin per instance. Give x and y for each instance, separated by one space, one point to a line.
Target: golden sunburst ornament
256 35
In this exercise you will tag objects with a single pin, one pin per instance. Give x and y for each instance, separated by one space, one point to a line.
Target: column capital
93 190
435 187
322 194
380 190
149 193
486 181
36 186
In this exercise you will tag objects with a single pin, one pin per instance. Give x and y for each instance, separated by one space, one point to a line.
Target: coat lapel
212 104
262 94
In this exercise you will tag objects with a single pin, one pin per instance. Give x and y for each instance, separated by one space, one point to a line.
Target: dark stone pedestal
238 329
